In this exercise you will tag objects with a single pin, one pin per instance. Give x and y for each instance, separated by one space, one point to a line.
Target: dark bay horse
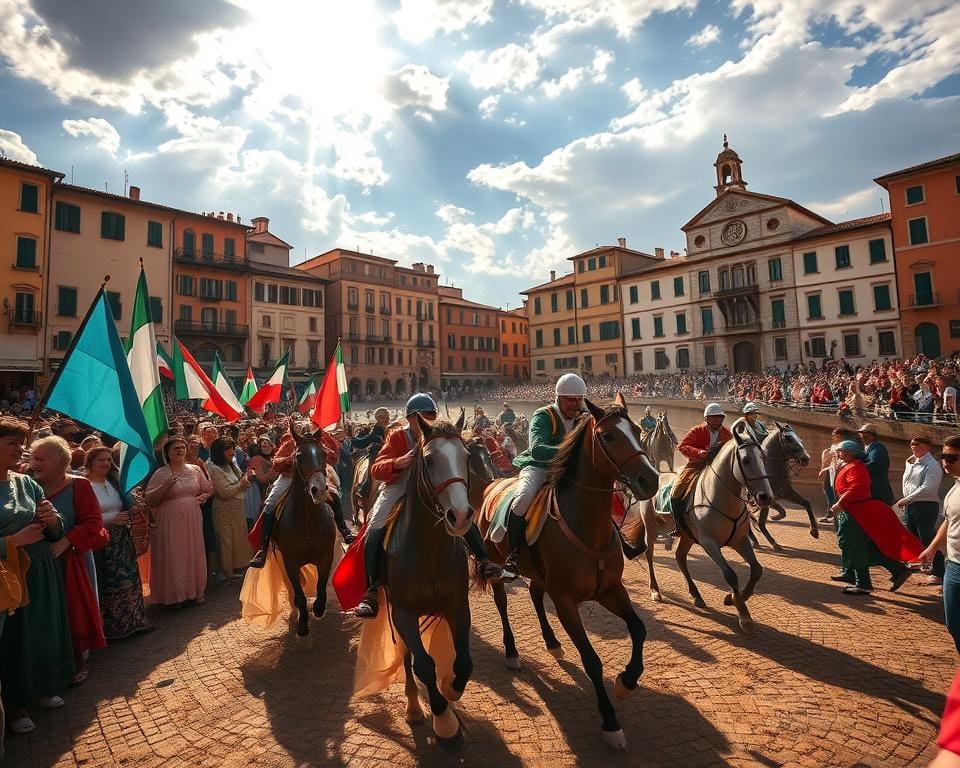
577 556
425 571
305 531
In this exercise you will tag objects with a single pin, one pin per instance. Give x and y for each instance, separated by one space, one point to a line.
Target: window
29 198
723 277
112 225
539 338
814 311
846 302
609 330
288 295
634 327
678 286
189 243
634 294
584 302
353 298
541 363
591 264
881 298
312 297
61 340
778 313
585 334
155 234
571 338
914 195
26 253
780 348
186 313
579 269
67 218
113 299
878 251
156 309
601 262
923 289
556 337
272 294
604 294
660 360
232 290
810 263
818 346
887 342
709 356
703 281
851 345
706 320
569 306
230 252
185 285
637 360
776 270
23 308
66 301
918 231
211 289
554 302
657 327
683 358
681 325
655 289
536 305
842 255
206 246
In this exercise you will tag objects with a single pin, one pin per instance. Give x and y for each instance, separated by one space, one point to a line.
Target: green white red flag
249 387
309 397
272 389
193 384
222 382
333 400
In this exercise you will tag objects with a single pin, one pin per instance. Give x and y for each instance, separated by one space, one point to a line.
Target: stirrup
259 559
369 607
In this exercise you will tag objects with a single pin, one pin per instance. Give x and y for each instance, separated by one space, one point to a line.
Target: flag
164 363
143 363
223 385
309 397
93 385
249 386
333 399
272 388
193 384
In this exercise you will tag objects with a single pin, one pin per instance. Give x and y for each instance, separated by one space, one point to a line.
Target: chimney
220 215
674 254
229 217
622 242
553 275
261 224
658 252
418 267
134 193
429 269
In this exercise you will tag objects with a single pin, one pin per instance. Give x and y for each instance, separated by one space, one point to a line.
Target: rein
425 484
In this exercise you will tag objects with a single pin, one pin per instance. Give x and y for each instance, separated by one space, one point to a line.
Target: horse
782 447
425 571
660 444
577 556
717 517
363 502
305 531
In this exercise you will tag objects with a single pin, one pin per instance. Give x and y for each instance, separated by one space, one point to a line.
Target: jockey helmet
381 412
750 408
571 385
714 409
420 403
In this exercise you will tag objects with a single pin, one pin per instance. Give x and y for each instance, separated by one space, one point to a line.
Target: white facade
658 322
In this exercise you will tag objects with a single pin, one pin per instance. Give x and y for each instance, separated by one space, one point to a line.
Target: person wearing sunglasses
948 539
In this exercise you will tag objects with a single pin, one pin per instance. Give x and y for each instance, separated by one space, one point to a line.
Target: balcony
19 318
707 332
369 309
374 337
751 326
778 324
353 305
928 299
201 328
209 259
313 364
352 336
426 344
732 293
386 311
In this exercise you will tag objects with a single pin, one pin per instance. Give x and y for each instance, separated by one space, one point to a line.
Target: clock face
733 232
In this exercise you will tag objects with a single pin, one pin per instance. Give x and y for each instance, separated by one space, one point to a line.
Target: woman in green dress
36 653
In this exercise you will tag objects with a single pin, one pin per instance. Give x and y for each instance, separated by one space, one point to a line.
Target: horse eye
608 437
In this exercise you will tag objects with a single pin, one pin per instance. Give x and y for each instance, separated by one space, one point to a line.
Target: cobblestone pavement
826 680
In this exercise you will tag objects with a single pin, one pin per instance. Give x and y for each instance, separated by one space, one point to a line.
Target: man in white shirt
949 405
920 505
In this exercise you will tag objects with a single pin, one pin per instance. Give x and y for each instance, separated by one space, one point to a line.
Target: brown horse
363 502
577 556
305 532
425 571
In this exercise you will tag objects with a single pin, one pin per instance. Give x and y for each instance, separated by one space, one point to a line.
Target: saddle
498 500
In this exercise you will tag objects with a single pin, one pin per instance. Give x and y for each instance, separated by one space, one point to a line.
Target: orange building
469 342
925 206
211 288
514 352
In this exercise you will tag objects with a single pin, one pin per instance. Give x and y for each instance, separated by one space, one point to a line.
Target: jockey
372 441
699 445
750 411
548 425
283 465
390 467
647 423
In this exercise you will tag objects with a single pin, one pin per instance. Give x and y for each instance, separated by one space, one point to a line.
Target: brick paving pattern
826 680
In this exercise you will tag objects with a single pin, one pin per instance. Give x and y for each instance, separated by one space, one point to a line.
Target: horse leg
782 512
463 661
549 638
445 723
323 575
509 643
570 619
745 551
414 710
730 576
762 525
617 601
299 599
650 532
798 499
682 549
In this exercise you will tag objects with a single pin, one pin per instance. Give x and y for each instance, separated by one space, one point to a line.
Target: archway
233 353
356 388
205 352
371 388
401 388
928 339
385 388
744 357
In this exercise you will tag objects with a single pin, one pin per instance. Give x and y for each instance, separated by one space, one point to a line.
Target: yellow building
25 199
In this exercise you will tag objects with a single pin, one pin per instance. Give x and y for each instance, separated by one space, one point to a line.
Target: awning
28 366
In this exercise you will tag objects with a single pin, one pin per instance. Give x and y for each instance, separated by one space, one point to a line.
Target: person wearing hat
699 445
372 442
920 505
548 425
648 423
751 414
877 462
396 455
480 419
506 417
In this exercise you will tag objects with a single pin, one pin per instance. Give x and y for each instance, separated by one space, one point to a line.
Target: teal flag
93 385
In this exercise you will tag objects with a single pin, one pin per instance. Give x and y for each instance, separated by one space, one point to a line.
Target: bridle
424 483
748 480
296 456
621 475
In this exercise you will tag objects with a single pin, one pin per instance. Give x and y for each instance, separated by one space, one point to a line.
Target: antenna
126 179
71 174
883 205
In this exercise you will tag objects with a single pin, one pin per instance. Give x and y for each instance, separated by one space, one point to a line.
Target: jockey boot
258 560
372 557
679 507
486 570
516 539
346 534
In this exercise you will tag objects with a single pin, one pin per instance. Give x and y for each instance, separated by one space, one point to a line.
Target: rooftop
565 280
262 268
606 248
8 163
927 166
845 226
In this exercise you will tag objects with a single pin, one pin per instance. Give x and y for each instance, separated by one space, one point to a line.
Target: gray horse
661 443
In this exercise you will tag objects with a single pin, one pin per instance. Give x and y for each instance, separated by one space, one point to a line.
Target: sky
491 138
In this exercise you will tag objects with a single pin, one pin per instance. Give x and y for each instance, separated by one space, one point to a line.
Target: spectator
229 508
877 461
920 504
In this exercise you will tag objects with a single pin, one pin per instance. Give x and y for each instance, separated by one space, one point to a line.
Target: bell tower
729 170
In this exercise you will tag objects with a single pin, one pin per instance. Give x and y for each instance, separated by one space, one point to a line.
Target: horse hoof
513 662
615 739
446 727
815 533
557 652
321 614
747 626
699 602
452 745
656 596
414 714
621 691
728 599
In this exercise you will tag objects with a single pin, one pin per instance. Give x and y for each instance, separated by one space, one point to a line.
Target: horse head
749 465
310 465
443 471
793 447
620 442
480 463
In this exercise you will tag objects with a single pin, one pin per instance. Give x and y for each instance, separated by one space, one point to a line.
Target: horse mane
569 450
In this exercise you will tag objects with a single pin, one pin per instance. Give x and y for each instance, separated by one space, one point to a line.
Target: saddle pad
662 503
496 507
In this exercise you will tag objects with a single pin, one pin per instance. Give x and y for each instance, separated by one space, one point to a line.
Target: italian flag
309 398
249 386
193 384
223 385
333 399
272 388
164 363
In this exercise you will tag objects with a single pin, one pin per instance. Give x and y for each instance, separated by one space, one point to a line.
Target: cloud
511 67
488 106
13 148
706 36
416 86
418 20
103 133
862 202
577 76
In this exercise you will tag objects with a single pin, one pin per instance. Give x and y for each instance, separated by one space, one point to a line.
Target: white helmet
571 385
714 409
750 408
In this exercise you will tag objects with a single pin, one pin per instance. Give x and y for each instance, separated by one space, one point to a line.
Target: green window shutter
539 337
583 297
810 263
556 337
231 290
842 254
569 299
585 334
536 306
206 246
113 299
914 195
846 303
776 270
706 319
66 301
156 309
67 218
878 251
813 307
678 286
604 294
554 302
778 313
571 338
881 297
923 288
634 294
655 289
106 228
658 326
26 253
112 226
635 327
918 231
681 324
29 198
155 234
230 247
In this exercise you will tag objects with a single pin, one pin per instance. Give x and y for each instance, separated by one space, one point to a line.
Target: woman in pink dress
178 564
